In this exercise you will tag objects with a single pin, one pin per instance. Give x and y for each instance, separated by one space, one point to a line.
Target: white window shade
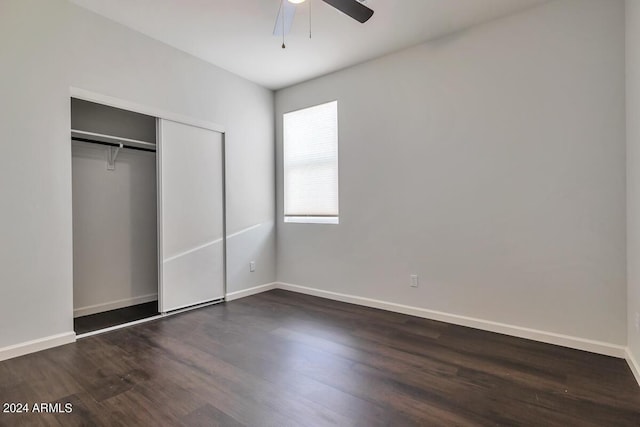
311 162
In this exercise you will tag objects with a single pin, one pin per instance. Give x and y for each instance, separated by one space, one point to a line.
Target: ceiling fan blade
353 8
287 16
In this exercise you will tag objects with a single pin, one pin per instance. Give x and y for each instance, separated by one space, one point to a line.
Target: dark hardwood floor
283 359
104 320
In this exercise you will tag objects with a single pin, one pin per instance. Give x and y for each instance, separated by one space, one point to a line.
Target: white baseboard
113 305
36 345
251 291
486 325
633 364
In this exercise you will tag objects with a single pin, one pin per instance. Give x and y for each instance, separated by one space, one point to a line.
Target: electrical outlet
637 322
252 266
414 281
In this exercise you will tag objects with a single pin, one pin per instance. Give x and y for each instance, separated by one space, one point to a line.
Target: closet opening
115 216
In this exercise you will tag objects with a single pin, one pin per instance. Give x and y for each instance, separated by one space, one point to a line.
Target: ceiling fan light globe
296 1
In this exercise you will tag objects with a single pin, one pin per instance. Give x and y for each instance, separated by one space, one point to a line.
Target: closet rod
111 141
110 144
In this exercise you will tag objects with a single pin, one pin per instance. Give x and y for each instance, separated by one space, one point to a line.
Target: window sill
312 219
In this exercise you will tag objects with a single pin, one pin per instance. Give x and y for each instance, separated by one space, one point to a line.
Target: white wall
115 251
491 163
47 46
633 176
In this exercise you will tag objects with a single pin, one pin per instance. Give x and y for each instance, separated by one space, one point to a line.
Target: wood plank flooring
94 322
284 359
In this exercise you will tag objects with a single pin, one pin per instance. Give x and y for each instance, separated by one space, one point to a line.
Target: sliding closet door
191 215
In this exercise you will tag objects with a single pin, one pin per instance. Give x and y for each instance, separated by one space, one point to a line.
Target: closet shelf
109 139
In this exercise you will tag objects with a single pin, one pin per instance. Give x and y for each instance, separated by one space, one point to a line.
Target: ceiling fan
353 8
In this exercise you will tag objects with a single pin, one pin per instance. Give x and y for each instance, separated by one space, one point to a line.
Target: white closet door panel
194 278
191 187
191 182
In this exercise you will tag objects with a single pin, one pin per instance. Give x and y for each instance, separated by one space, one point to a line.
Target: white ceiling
237 34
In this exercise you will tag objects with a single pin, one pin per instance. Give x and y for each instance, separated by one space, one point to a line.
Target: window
310 148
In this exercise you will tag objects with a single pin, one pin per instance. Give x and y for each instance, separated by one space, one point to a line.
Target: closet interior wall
115 244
